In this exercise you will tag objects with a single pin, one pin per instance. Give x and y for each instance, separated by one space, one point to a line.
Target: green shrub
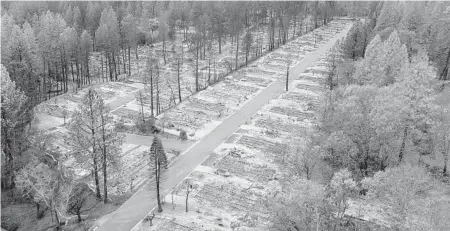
120 125
145 127
183 135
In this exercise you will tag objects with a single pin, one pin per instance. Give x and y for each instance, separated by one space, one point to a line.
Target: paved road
47 121
116 104
167 143
144 200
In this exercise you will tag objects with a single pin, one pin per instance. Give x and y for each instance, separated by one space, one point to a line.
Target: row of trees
391 91
46 46
44 178
212 24
398 194
420 25
383 133
40 175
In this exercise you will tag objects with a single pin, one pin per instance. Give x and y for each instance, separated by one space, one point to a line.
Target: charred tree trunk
164 50
115 66
220 44
78 73
124 51
129 61
151 92
96 178
157 91
49 78
446 154
402 148
444 74
87 67
101 61
237 50
196 68
79 217
136 52
179 83
295 25
58 223
209 71
287 77
110 67
105 179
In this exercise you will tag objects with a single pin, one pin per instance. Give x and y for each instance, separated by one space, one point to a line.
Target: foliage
183 135
81 196
302 206
390 15
307 205
15 113
158 162
342 187
399 187
333 60
301 159
50 184
441 129
383 62
355 43
146 126
130 32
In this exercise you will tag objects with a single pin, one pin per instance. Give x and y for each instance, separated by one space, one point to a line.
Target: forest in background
48 45
384 127
382 143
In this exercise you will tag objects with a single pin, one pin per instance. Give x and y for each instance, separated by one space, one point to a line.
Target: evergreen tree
14 113
50 28
68 17
77 19
441 50
30 43
93 18
130 32
383 62
108 37
248 40
413 18
163 32
20 55
86 48
69 42
395 59
158 162
369 68
390 16
356 42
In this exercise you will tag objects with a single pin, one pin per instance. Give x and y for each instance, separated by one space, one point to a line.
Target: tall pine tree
158 162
